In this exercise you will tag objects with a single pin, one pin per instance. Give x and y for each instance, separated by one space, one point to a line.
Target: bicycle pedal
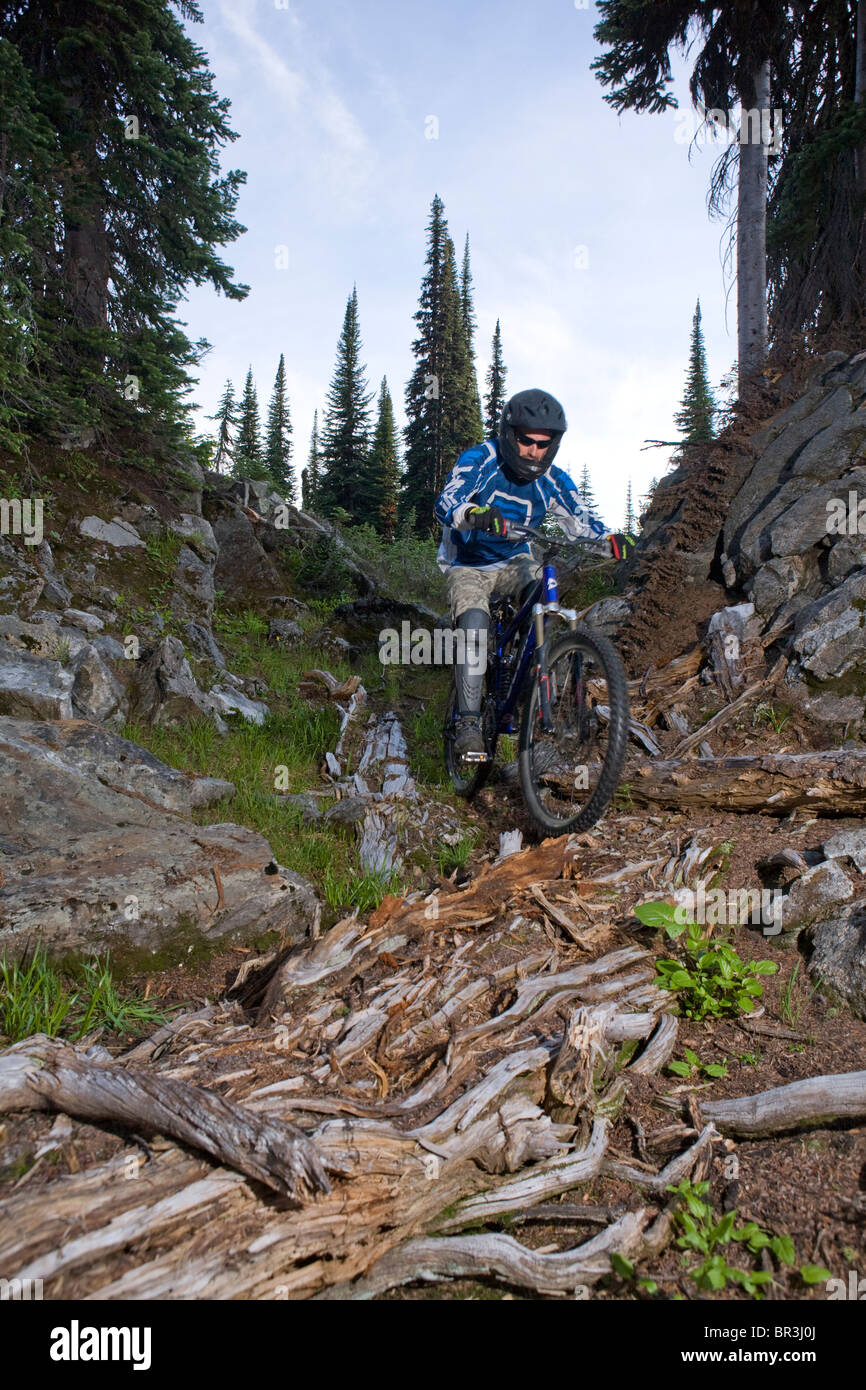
475 758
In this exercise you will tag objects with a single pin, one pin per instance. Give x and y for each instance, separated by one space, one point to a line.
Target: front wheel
569 775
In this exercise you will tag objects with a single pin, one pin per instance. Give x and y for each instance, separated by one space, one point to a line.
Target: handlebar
551 544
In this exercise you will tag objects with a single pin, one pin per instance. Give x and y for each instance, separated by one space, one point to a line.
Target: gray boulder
830 633
88 622
197 533
838 959
192 580
34 685
233 702
203 645
848 844
96 694
117 533
93 867
165 690
814 896
285 632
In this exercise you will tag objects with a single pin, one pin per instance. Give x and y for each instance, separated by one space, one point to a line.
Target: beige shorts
469 588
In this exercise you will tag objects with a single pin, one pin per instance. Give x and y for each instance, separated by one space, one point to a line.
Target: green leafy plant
693 1063
364 891
703 1234
712 980
456 856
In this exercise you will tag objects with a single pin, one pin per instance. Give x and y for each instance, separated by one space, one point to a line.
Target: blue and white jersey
477 480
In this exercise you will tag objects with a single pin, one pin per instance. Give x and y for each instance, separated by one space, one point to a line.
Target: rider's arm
455 499
566 507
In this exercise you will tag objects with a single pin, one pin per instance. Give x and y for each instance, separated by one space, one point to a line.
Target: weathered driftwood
43 1074
818 1100
753 692
831 782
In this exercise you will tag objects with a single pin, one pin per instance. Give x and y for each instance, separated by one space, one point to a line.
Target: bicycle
574 726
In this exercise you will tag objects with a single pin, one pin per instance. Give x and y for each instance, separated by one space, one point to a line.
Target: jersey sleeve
453 502
566 508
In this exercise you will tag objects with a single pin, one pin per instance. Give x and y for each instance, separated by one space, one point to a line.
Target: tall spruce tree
113 203
467 309
442 394
696 414
494 401
630 521
346 484
385 463
249 455
584 487
311 475
226 422
278 438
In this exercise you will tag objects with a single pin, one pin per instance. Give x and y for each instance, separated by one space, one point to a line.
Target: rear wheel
468 778
569 776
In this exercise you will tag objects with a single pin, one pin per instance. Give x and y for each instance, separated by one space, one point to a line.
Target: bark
826 783
817 1101
752 234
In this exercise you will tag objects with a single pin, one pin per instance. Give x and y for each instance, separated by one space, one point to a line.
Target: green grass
36 997
453 857
364 890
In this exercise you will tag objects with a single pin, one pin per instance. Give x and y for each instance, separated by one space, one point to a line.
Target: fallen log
818 1100
44 1074
831 782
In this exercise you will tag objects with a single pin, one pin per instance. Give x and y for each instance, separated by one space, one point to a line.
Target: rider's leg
469 592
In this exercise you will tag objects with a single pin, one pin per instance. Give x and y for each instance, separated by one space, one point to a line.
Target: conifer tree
467 309
249 457
629 511
226 422
278 440
494 401
345 482
385 463
587 496
442 395
310 478
113 201
696 414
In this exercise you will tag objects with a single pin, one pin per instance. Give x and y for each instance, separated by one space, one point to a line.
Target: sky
589 234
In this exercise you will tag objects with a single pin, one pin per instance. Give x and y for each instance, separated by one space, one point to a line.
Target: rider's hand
621 544
487 519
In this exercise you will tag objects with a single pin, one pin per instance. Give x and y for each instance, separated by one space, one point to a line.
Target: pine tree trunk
860 94
752 232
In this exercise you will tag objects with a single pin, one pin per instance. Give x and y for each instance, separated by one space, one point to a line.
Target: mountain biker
511 478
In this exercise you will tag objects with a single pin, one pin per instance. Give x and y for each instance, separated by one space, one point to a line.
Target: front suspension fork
544 710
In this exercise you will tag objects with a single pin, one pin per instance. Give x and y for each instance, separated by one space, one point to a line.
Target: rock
307 805
197 533
350 810
83 748
608 615
847 554
165 691
192 580
814 896
117 533
231 702
335 645
33 685
775 582
93 868
203 644
88 622
829 634
838 959
109 648
285 632
96 694
848 844
242 567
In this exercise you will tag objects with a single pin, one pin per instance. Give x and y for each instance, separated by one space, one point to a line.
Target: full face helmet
529 412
